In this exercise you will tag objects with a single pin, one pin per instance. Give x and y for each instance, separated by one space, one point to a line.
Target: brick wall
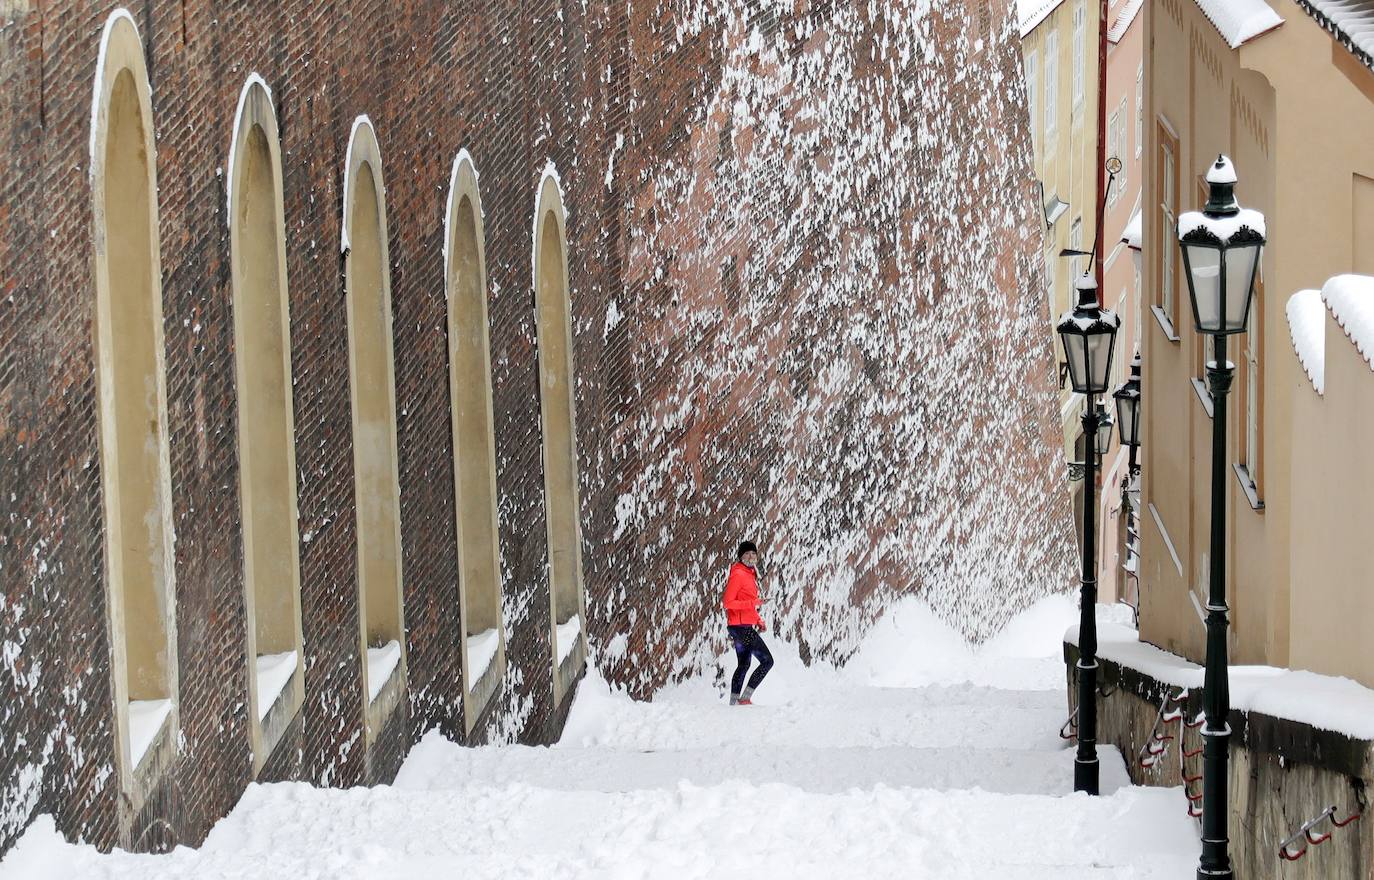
780 227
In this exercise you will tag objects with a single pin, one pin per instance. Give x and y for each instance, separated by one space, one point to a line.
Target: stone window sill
1165 324
1248 484
388 698
484 689
278 718
1203 395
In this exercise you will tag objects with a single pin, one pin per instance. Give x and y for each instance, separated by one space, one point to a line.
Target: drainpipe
1101 143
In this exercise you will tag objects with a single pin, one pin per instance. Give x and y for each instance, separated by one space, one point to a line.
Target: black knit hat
745 547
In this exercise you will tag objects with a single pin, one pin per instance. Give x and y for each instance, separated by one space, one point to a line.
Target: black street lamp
1088 333
1221 247
1127 396
1105 423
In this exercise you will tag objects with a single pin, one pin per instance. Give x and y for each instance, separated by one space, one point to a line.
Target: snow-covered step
688 831
437 764
867 723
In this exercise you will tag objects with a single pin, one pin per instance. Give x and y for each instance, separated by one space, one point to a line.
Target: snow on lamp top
1087 333
1221 247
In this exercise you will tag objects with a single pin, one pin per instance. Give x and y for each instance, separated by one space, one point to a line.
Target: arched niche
131 377
553 321
474 446
266 423
377 497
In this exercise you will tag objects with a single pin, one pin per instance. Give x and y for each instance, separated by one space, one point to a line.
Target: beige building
1059 42
1286 90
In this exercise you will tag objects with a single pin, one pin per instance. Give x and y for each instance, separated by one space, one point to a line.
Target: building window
554 330
131 380
1076 242
1139 109
1114 125
1033 97
1165 244
1123 146
367 277
1051 86
1051 258
1080 17
266 422
474 450
1252 396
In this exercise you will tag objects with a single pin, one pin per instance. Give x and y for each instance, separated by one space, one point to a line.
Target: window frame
1080 28
1165 248
1051 76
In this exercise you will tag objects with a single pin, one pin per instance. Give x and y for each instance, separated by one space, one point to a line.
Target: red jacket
742 596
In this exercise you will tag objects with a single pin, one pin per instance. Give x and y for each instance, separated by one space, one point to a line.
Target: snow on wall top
1132 234
1029 13
1307 329
1240 21
120 13
252 80
1351 301
1124 19
1327 702
1350 21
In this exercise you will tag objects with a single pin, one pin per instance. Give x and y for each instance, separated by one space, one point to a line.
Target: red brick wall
779 225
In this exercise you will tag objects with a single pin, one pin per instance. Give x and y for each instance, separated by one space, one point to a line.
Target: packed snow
481 651
145 720
274 671
921 758
380 664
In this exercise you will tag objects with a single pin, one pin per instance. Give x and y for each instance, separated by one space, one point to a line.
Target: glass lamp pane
1100 360
1241 263
1104 433
1204 276
1074 353
1125 417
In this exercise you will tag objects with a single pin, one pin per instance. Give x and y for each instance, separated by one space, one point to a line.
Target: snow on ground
922 759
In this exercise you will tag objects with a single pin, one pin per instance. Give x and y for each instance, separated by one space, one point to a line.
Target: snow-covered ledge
1324 702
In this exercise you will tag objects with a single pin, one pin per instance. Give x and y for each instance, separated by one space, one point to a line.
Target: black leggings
748 643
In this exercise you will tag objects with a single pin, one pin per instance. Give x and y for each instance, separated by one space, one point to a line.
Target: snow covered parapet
1240 21
1350 299
1307 330
1325 702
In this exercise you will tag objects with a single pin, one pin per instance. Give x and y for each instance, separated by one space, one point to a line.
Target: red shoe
744 703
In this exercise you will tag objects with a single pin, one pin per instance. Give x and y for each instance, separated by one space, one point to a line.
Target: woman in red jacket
741 613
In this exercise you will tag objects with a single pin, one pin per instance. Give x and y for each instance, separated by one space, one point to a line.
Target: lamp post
1127 396
1088 332
1221 247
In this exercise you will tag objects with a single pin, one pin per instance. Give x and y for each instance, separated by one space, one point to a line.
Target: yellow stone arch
266 422
474 445
371 368
131 379
553 322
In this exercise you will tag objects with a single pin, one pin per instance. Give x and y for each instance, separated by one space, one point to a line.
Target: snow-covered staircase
826 776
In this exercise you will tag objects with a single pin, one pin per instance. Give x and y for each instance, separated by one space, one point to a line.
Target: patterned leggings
748 643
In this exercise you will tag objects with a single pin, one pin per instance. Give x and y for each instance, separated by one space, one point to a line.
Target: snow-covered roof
1351 22
1031 12
1351 301
1307 328
1240 21
1131 234
1123 20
